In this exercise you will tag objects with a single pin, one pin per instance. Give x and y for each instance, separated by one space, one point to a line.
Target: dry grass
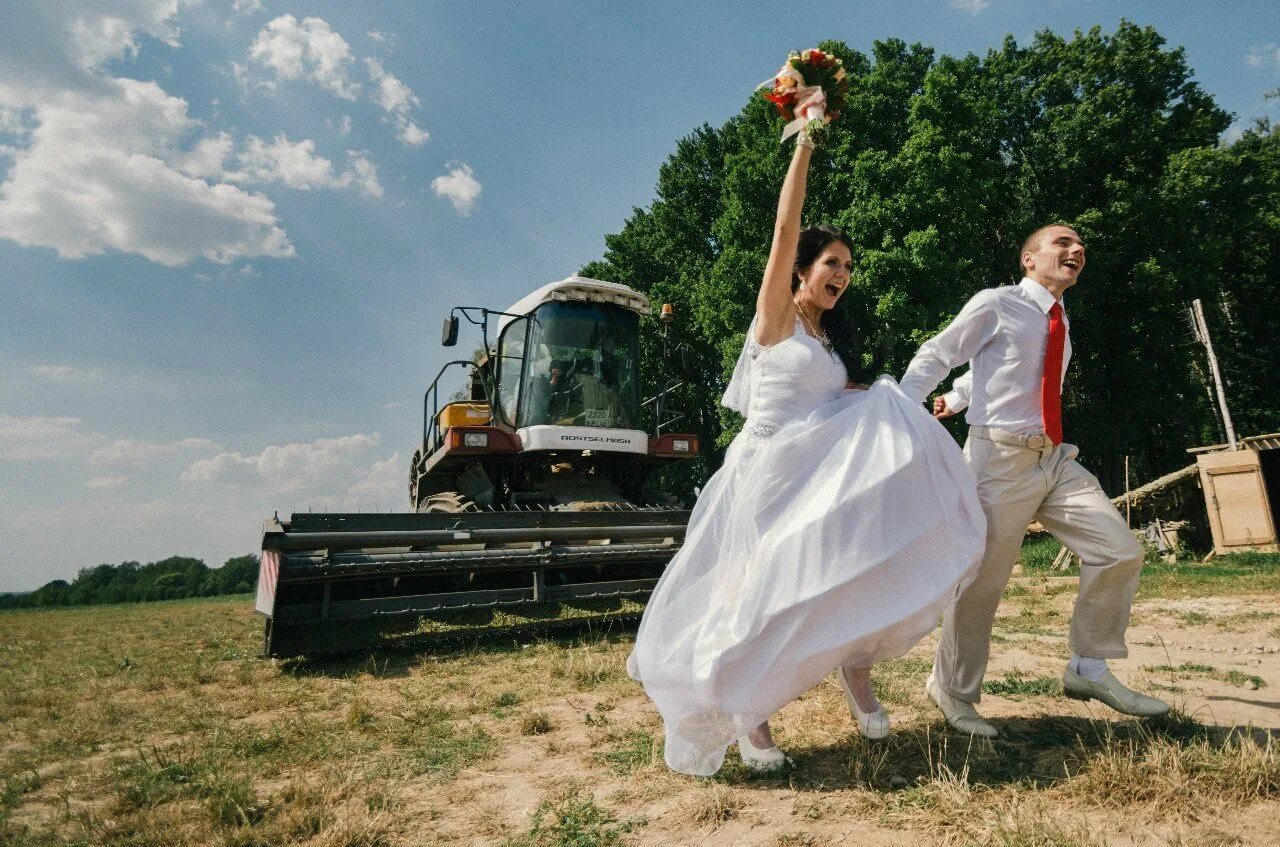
711 804
535 723
159 725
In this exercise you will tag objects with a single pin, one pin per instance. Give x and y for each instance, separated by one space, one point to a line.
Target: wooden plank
1237 468
1227 458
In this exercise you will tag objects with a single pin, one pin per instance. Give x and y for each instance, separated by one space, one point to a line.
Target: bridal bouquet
809 91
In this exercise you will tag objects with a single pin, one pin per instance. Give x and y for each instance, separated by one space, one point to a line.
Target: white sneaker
961 715
763 760
874 725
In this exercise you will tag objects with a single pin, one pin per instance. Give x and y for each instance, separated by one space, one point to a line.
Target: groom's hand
940 409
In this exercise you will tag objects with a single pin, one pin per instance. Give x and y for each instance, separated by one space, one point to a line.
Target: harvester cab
552 414
529 486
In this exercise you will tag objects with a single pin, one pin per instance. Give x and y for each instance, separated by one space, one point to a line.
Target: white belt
1038 442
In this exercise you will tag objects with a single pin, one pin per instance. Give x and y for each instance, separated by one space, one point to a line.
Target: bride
839 526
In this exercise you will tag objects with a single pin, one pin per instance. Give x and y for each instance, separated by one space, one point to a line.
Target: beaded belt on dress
759 430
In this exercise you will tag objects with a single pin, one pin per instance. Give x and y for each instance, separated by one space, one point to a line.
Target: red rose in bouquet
809 91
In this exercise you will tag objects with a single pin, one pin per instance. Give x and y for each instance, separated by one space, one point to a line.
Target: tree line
938 168
174 578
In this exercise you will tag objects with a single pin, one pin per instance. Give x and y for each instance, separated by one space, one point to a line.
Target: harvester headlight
475 439
680 445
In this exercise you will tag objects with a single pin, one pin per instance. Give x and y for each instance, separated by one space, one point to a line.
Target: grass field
158 724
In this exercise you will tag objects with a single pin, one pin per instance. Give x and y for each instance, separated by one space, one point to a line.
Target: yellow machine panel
465 414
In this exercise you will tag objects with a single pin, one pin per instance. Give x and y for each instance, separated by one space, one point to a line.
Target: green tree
1225 202
238 575
938 170
168 579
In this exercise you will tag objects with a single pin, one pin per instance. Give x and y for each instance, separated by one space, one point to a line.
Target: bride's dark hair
835 322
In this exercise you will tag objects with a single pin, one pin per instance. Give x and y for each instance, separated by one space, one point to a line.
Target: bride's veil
737 395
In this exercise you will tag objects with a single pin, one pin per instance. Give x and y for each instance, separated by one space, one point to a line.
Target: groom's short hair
1033 240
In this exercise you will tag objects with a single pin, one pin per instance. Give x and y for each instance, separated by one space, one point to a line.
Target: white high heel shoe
758 759
874 725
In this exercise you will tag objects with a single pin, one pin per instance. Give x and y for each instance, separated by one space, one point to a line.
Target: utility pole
1202 335
1128 505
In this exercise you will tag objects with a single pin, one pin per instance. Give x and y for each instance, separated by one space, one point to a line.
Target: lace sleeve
737 395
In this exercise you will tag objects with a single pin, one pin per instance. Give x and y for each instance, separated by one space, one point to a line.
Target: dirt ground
159 725
1216 659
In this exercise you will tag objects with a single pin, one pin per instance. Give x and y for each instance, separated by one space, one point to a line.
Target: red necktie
1051 381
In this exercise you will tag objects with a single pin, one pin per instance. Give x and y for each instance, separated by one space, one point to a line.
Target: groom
1016 339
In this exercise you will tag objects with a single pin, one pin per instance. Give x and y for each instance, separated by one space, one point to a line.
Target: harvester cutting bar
288 542
316 566
366 607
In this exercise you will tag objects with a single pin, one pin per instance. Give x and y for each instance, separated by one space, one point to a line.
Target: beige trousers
1015 485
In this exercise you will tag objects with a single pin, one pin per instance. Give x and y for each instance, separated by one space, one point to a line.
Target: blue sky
229 229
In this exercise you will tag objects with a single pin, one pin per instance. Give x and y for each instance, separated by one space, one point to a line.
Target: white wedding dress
837 530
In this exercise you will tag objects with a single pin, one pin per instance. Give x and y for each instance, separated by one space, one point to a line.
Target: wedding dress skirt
837 530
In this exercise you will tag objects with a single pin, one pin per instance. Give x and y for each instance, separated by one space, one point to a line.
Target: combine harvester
532 490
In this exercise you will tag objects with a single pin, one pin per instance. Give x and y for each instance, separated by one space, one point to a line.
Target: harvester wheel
447 502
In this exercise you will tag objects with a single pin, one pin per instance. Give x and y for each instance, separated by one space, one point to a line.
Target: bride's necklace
820 337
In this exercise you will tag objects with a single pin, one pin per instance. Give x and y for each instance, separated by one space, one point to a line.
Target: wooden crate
1241 515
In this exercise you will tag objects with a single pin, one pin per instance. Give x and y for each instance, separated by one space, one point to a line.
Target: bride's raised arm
775 310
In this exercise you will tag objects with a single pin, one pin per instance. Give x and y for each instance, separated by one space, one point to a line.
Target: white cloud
973 7
342 127
224 274
13 121
1263 55
100 30
311 50
106 482
1233 133
363 172
293 163
66 374
246 7
43 437
103 171
460 186
205 160
246 79
382 485
284 468
398 101
126 451
91 163
392 94
308 50
375 35
409 132
230 468
296 165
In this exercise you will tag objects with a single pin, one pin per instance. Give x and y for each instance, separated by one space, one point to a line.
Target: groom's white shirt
1003 333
